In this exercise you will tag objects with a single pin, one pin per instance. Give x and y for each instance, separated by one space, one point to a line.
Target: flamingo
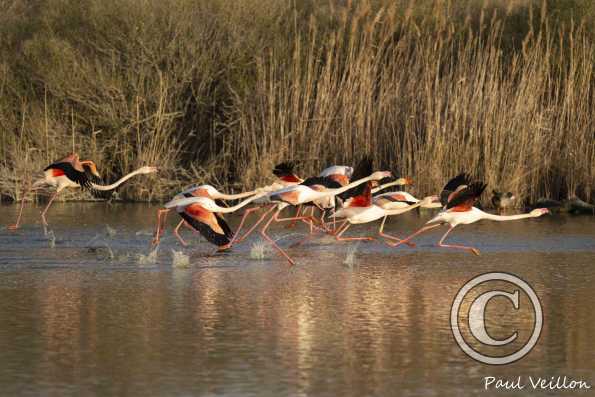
339 173
285 172
400 199
203 215
286 176
320 184
365 211
207 191
301 194
331 177
360 209
71 172
458 197
390 182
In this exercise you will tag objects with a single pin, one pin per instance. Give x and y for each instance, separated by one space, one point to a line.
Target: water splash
350 260
259 250
51 238
111 232
149 259
180 259
110 252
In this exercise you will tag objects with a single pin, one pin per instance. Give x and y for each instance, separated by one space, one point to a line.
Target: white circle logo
476 321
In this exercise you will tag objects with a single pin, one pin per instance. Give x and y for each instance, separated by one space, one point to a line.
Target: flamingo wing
341 179
361 200
211 226
291 196
327 182
451 187
363 169
397 197
223 225
463 199
284 169
92 178
66 168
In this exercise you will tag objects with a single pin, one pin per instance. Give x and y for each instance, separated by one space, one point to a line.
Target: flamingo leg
161 215
463 247
258 222
270 240
246 213
236 234
26 191
420 231
297 213
322 219
52 198
304 218
177 232
338 229
334 220
388 236
187 225
340 234
310 223
308 219
311 220
308 236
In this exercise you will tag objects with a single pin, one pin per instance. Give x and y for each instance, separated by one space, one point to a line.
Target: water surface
86 310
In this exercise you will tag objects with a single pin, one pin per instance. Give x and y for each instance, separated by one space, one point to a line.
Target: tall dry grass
219 91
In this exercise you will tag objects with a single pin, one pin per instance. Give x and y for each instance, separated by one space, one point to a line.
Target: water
88 309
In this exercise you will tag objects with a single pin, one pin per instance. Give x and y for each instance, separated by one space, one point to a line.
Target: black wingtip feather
321 180
364 168
208 233
472 192
284 169
461 179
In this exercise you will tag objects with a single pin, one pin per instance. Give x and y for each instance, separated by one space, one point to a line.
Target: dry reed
219 91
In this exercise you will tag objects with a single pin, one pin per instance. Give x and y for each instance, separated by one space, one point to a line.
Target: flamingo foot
397 243
475 251
12 227
291 262
225 247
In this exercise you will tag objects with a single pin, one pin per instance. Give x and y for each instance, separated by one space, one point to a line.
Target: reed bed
219 91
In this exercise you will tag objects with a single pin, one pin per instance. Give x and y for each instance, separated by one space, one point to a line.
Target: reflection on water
82 315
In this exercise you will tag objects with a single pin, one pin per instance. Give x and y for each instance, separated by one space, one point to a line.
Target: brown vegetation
218 91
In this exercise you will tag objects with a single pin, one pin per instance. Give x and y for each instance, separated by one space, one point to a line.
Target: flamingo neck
386 185
398 211
223 196
334 192
117 183
238 206
501 218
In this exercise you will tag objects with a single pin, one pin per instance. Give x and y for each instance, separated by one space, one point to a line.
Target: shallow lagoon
87 310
